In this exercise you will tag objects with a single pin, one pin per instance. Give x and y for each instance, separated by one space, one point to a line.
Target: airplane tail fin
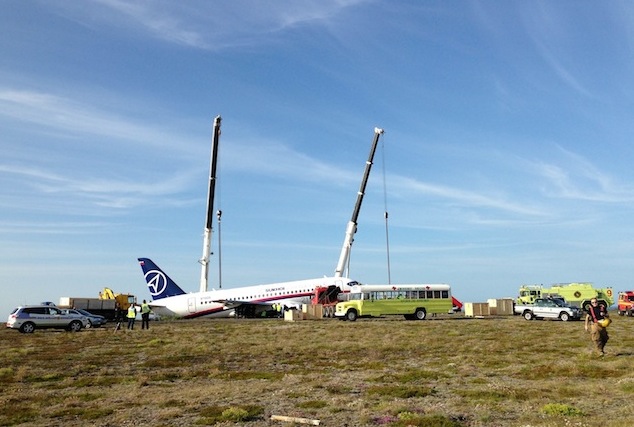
159 283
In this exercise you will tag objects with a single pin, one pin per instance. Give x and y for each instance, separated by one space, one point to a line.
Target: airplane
252 301
248 301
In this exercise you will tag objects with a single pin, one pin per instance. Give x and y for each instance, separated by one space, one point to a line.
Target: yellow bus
415 302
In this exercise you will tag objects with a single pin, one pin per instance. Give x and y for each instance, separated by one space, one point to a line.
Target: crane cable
387 237
219 215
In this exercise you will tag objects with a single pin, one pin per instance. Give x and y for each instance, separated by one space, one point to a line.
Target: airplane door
191 305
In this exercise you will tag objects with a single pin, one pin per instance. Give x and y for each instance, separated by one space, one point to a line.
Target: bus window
436 294
445 294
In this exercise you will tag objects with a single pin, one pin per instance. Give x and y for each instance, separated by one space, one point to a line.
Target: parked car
28 318
545 308
153 316
94 320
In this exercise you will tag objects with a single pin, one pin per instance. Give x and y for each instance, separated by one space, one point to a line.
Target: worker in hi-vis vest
131 316
145 315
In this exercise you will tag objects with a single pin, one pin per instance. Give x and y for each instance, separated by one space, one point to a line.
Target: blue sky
506 159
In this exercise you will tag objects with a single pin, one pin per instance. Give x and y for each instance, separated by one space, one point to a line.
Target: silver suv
28 318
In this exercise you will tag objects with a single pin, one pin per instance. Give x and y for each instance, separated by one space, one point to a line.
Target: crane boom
204 261
351 229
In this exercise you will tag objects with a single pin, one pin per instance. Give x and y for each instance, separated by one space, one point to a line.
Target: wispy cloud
95 192
277 159
465 198
580 179
72 117
549 29
214 25
62 227
563 72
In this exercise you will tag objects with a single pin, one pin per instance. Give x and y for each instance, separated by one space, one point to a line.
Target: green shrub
235 414
561 409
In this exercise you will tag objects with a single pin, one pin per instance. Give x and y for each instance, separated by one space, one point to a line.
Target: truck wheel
27 328
351 315
420 314
564 316
621 313
528 315
75 326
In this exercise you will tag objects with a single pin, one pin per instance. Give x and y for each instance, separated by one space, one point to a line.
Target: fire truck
578 294
625 303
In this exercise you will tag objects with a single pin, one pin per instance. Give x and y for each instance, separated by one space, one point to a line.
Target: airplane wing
249 308
231 304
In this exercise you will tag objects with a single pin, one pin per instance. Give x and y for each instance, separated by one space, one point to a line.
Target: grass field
445 371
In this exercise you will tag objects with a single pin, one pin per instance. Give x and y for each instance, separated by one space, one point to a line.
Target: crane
204 261
351 229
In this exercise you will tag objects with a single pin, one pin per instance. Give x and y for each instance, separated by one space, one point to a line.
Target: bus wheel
351 315
420 314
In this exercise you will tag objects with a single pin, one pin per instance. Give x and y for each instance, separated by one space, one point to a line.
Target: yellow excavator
124 300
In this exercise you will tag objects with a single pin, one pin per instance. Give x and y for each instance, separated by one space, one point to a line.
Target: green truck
577 294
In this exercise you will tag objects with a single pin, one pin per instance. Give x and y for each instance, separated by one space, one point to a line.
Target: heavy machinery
351 229
578 294
124 300
105 305
327 297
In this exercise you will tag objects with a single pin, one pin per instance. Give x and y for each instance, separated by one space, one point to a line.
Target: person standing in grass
145 315
131 316
598 333
118 316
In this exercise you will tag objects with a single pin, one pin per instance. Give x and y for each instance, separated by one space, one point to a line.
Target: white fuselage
222 303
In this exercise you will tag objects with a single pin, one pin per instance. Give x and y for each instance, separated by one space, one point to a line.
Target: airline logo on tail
159 283
156 282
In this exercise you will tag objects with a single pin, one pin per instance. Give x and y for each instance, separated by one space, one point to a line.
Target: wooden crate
293 315
501 307
473 309
312 311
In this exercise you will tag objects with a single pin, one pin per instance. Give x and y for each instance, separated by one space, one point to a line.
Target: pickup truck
546 308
